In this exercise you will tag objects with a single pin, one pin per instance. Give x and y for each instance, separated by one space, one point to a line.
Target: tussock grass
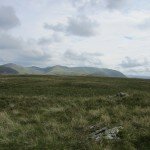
50 112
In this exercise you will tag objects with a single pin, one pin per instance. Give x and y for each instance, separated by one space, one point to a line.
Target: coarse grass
52 112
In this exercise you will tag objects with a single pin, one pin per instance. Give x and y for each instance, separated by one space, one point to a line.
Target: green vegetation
51 112
62 70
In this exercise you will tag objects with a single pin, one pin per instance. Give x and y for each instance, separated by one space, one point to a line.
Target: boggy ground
50 112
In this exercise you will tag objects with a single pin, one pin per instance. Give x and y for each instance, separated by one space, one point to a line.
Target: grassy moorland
49 112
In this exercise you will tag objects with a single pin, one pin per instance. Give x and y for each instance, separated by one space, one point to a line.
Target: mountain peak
11 65
59 66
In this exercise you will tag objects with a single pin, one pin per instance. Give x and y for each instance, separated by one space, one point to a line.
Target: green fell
67 71
54 112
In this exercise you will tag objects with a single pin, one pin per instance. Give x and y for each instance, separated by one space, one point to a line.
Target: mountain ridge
60 70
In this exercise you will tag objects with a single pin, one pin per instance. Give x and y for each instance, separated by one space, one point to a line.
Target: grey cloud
28 59
24 58
115 4
131 63
48 40
44 41
9 42
86 3
1 61
8 18
145 24
103 4
14 49
58 27
90 59
143 72
79 26
128 37
82 56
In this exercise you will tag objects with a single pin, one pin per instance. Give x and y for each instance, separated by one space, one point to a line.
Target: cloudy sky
99 33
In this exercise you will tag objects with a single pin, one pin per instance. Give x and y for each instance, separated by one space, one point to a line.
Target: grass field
49 112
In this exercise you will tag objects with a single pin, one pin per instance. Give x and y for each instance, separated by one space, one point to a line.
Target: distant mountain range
59 70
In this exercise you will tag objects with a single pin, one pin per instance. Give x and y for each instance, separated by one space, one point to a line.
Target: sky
111 34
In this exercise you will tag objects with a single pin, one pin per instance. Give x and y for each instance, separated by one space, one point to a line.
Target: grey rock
105 133
11 105
122 94
112 133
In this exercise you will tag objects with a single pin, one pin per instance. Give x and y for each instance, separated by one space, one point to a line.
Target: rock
110 97
121 94
98 134
113 133
105 133
94 128
15 112
11 105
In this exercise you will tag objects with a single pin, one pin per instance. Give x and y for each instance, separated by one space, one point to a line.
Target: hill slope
7 70
63 70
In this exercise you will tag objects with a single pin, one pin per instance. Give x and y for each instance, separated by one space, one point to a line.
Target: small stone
121 94
112 133
105 133
15 112
92 127
12 105
98 138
